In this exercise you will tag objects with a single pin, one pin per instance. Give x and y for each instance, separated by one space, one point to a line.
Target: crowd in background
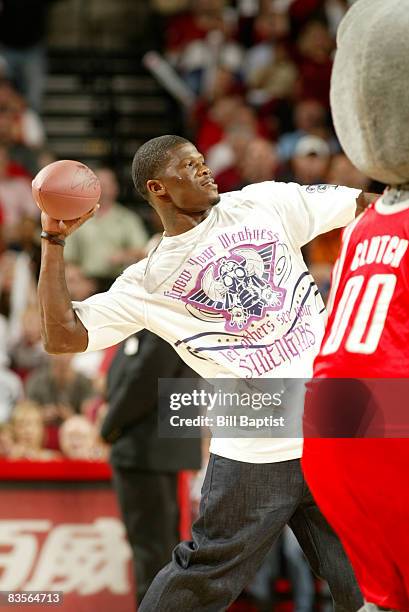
259 73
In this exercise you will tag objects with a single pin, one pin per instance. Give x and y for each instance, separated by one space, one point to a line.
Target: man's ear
155 187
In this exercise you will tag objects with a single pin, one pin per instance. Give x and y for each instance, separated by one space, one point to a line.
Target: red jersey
367 335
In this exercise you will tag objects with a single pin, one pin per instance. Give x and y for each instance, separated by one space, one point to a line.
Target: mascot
358 475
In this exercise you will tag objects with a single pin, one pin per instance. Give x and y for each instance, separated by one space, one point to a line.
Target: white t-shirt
232 295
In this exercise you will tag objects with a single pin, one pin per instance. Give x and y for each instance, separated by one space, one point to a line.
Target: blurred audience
200 39
113 239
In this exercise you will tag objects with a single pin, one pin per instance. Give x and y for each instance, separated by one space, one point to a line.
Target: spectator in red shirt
314 60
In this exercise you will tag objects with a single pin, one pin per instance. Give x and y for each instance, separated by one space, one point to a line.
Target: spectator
23 160
28 433
17 291
15 196
275 81
311 160
26 126
59 387
269 71
145 465
22 34
26 239
342 172
27 352
215 120
241 129
310 118
202 39
60 392
259 163
11 388
114 238
79 440
323 250
256 162
314 59
226 163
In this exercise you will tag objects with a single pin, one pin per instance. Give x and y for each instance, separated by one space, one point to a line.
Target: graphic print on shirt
279 339
257 302
240 287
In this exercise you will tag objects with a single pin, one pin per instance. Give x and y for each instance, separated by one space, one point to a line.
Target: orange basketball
66 189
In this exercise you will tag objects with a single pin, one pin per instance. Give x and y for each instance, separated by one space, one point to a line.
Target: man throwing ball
227 287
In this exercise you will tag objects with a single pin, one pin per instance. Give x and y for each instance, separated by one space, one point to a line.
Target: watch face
131 346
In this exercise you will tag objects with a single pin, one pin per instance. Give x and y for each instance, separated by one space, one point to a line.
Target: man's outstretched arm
61 329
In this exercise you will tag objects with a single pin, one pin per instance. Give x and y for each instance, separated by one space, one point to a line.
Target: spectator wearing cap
311 160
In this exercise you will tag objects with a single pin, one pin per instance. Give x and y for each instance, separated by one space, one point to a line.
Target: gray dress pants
244 507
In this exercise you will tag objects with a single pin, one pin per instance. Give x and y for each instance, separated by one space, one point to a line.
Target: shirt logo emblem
240 286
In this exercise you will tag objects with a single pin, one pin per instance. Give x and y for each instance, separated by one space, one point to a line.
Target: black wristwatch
52 238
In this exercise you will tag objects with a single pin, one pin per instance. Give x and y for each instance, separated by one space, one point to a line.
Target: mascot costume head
370 89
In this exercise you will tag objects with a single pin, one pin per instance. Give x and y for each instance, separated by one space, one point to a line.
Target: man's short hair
150 159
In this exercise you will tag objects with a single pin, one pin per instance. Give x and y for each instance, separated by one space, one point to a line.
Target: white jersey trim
391 209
